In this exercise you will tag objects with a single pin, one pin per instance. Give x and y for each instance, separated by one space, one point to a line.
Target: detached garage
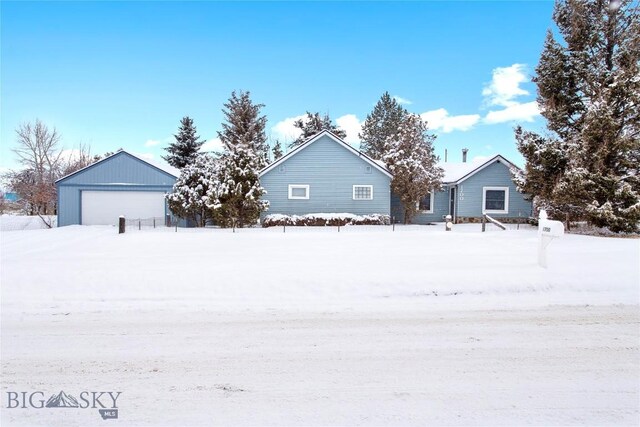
121 184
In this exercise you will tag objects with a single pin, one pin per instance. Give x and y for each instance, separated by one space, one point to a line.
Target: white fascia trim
353 194
314 139
482 166
293 186
506 200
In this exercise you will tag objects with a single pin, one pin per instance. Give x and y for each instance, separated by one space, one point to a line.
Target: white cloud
440 120
213 144
402 101
151 142
516 112
350 124
285 131
505 85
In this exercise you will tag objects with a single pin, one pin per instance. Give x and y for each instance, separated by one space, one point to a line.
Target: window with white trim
495 200
363 192
298 191
425 205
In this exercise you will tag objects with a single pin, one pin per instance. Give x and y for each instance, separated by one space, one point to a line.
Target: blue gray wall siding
440 208
497 174
469 197
120 172
330 170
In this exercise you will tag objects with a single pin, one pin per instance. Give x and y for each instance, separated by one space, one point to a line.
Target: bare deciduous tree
38 151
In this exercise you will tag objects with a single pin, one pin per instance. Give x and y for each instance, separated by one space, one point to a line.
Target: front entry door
452 204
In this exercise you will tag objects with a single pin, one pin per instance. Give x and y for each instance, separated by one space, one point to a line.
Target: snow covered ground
366 326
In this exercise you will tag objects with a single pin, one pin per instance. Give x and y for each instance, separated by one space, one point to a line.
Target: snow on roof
158 164
454 172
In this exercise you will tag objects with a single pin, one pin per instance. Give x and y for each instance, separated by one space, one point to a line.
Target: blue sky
122 74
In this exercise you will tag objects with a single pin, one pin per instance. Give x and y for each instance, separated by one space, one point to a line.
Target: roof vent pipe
445 155
464 155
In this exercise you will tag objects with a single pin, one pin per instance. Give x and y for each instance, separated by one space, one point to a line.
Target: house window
425 205
363 192
495 200
298 191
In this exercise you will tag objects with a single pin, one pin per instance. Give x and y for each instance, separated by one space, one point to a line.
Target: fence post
284 226
338 227
167 220
393 223
121 225
154 222
176 225
139 225
484 222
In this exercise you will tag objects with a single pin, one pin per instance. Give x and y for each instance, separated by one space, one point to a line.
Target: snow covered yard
318 327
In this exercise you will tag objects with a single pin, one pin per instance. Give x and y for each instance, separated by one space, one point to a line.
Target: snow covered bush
195 193
324 219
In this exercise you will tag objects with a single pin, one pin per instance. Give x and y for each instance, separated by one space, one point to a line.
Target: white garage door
105 207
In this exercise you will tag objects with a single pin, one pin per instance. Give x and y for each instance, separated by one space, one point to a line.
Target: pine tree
245 154
186 147
245 125
195 193
589 93
381 123
314 123
410 157
277 150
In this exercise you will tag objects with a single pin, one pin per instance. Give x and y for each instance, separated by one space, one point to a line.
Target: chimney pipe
464 155
445 155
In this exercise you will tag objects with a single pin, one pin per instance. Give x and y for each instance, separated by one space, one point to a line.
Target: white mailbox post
547 231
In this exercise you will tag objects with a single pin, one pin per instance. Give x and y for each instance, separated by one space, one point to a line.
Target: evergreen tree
195 193
245 154
314 123
245 125
186 146
381 123
239 188
277 150
411 159
589 92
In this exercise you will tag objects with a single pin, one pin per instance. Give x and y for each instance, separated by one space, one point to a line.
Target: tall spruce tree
410 157
314 123
245 154
382 122
186 147
245 125
589 92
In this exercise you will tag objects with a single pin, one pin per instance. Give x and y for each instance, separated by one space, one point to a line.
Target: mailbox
547 231
547 227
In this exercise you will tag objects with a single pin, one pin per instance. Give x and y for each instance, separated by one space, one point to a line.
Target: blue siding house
120 184
326 175
471 190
